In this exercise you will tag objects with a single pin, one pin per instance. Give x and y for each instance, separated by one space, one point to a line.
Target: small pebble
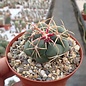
45 75
25 62
22 42
42 72
44 78
65 60
20 70
50 75
47 65
77 47
35 76
53 71
47 72
48 79
53 78
62 74
31 72
30 76
29 60
18 61
22 53
58 72
38 65
70 43
27 72
39 78
66 68
16 64
9 55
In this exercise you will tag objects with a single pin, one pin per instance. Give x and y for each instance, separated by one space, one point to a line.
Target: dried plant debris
44 52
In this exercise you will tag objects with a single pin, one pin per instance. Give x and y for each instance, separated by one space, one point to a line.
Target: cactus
23 23
2 51
44 42
84 8
16 23
1 18
3 45
1 4
7 17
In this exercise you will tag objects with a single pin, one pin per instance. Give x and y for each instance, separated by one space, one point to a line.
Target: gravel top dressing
52 70
44 54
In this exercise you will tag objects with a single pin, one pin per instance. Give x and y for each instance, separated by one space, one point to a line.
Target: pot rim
65 77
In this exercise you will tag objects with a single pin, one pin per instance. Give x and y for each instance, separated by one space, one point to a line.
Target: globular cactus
2 51
1 4
84 8
1 18
16 23
3 45
44 42
23 23
7 17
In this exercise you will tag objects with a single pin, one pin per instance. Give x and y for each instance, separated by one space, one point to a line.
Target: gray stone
38 65
48 79
39 78
20 70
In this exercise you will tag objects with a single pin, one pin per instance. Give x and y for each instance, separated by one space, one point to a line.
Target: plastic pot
29 82
84 16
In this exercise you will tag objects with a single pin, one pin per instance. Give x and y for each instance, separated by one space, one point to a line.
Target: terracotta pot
1 26
7 26
29 82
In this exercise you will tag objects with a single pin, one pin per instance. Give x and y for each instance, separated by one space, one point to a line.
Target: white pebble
29 60
53 78
47 65
30 71
9 55
42 72
22 53
77 47
22 42
50 75
45 75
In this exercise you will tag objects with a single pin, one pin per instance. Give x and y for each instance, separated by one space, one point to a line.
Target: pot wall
55 83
